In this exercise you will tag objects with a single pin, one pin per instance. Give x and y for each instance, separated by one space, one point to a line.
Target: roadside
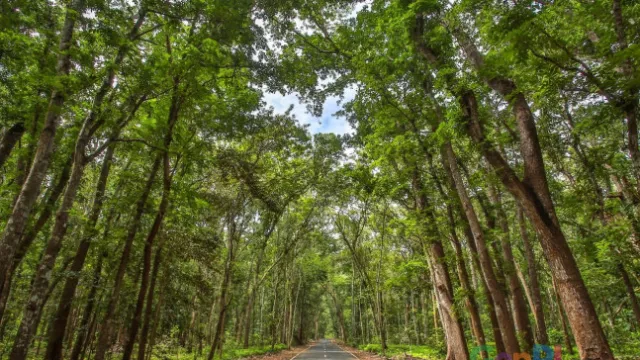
285 354
395 352
360 354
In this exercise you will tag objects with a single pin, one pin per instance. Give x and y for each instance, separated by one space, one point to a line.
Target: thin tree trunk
565 328
629 105
81 338
463 276
9 139
104 340
631 292
456 342
535 198
149 307
519 304
58 328
30 236
33 308
157 223
507 327
154 328
223 301
536 296
495 326
35 305
15 226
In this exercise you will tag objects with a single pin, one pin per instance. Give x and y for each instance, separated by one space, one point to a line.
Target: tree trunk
519 304
535 198
536 296
33 309
456 342
58 328
30 236
157 223
15 226
495 325
9 140
149 307
224 290
565 328
104 340
631 292
507 327
463 276
629 105
154 327
81 338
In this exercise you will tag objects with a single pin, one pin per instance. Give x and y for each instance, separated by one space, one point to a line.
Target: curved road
324 350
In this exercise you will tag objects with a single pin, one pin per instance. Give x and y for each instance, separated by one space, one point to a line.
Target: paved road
324 350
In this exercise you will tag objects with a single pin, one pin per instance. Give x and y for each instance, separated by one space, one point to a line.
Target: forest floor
361 354
286 354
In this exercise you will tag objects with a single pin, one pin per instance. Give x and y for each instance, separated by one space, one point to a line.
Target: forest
155 204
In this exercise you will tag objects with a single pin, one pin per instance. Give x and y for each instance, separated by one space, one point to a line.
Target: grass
228 354
417 351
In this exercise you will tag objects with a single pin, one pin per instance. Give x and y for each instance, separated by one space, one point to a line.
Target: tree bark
104 340
536 296
456 342
565 328
148 314
507 327
519 304
30 236
15 226
88 310
33 309
9 140
58 328
224 290
533 195
157 223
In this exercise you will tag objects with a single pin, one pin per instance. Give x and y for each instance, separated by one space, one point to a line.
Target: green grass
228 354
418 351
232 354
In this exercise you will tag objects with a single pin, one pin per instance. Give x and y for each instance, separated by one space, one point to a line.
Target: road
324 350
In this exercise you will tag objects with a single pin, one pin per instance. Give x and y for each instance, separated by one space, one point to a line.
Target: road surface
324 350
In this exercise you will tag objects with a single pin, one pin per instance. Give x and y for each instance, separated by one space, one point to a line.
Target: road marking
301 352
350 353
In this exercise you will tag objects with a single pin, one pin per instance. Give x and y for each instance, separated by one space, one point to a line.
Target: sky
327 123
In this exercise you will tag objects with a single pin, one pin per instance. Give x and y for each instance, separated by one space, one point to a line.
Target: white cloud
327 123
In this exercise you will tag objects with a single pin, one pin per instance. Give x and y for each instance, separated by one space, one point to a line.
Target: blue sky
327 123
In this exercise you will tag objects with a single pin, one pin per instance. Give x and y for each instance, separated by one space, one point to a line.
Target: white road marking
350 353
301 352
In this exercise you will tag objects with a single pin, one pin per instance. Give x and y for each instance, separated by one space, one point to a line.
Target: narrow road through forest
325 350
